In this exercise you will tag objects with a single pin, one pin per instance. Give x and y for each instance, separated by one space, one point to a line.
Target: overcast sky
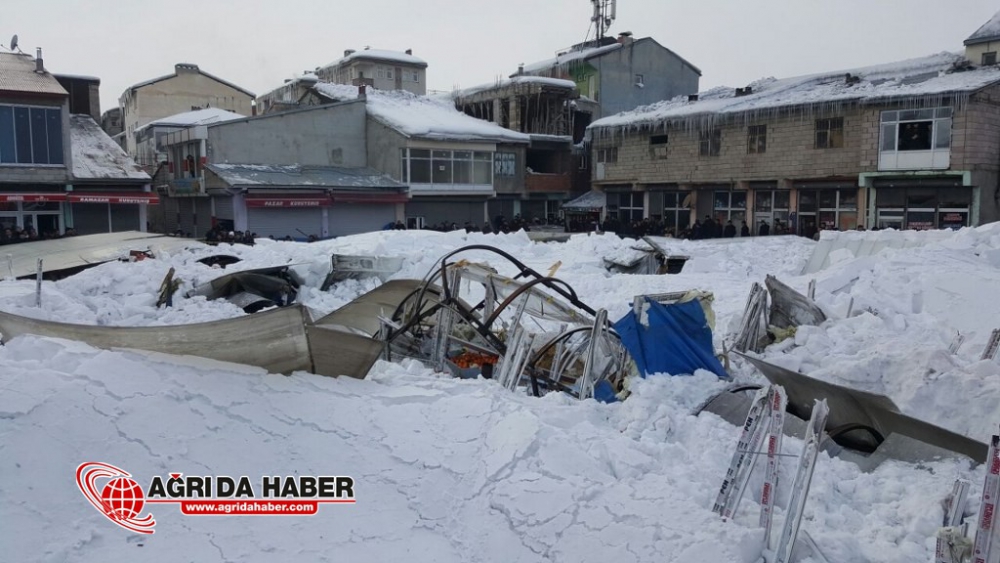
258 43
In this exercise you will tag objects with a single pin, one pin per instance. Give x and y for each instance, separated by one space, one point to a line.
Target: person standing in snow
730 231
744 230
764 229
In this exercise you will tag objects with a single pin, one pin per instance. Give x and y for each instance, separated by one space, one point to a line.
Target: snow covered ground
459 470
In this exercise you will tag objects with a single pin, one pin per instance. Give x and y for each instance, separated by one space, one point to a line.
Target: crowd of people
15 234
220 234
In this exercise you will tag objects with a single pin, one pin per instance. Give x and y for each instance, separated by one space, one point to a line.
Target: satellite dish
13 42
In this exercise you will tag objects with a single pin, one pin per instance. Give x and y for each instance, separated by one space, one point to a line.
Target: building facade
188 88
910 145
59 170
378 68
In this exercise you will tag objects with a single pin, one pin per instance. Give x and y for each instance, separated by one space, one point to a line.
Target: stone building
912 144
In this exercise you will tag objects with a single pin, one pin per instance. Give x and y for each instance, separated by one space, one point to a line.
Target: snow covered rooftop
989 31
421 116
909 79
17 74
197 117
259 175
380 55
525 79
96 156
570 56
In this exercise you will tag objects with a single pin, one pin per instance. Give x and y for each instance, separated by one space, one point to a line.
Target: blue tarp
677 339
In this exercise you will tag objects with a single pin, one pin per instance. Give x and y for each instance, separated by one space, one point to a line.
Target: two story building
910 145
58 169
378 68
188 88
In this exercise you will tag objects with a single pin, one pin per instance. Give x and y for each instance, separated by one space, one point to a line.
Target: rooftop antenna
605 12
13 43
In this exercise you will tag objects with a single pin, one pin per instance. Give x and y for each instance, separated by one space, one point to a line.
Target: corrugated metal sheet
279 223
354 218
264 175
17 74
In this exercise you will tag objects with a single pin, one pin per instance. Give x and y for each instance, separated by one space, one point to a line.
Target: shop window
730 206
423 166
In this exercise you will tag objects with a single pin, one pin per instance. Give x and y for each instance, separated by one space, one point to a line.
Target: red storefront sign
145 197
288 202
32 197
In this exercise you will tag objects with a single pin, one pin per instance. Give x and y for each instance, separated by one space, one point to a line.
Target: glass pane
41 206
483 156
848 220
781 200
921 197
828 199
909 115
463 171
920 220
420 153
888 116
39 137
721 200
655 202
915 136
888 137
943 112
762 201
482 172
807 200
925 114
22 132
7 134
942 133
669 200
953 219
836 140
463 155
441 170
442 155
827 220
739 200
420 171
954 197
737 217
849 199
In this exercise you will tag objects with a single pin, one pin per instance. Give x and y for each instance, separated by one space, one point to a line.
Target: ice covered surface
96 156
911 78
196 117
381 54
453 470
526 79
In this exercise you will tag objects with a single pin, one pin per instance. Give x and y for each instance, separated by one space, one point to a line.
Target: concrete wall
331 135
384 146
178 94
975 52
665 75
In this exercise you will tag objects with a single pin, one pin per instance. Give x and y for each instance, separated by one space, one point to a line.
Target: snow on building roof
197 117
570 56
294 176
96 156
520 79
381 55
989 31
910 79
17 74
421 116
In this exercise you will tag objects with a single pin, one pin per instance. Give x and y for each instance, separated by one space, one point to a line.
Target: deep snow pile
451 470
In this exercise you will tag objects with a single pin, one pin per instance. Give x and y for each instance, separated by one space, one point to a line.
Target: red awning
288 202
370 198
125 198
8 197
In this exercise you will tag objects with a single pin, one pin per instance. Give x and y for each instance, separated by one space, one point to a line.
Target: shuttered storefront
296 223
123 217
202 216
223 207
457 212
185 208
354 218
90 218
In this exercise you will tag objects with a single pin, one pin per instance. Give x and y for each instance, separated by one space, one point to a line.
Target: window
835 209
671 206
388 73
916 130
830 133
626 207
416 76
414 223
658 140
380 72
658 146
504 164
423 166
730 206
639 80
30 135
757 139
710 142
609 154
989 58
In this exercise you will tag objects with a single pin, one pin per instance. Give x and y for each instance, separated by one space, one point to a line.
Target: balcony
547 183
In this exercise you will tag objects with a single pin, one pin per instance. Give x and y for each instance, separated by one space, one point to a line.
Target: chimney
348 52
625 38
409 51
253 108
362 91
39 67
520 69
